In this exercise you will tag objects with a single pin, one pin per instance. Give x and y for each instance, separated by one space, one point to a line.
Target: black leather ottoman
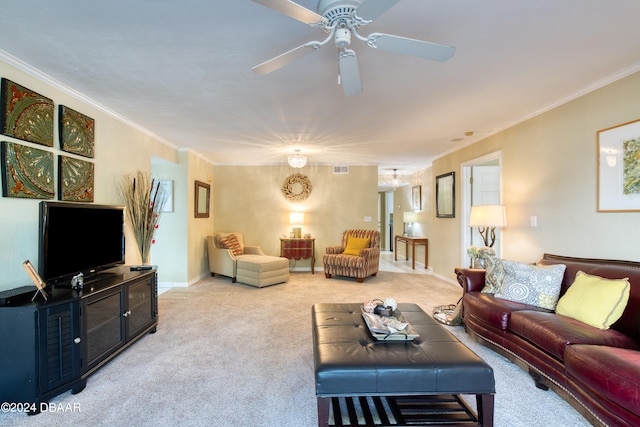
425 375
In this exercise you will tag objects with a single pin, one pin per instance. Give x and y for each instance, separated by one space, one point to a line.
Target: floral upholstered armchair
358 256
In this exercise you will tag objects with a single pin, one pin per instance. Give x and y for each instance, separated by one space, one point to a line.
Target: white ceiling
182 71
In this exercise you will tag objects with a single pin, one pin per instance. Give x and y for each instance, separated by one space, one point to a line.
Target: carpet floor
228 354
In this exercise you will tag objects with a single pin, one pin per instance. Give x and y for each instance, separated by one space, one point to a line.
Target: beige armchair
224 255
361 263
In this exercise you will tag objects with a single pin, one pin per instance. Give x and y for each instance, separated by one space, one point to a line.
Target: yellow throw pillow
594 300
355 245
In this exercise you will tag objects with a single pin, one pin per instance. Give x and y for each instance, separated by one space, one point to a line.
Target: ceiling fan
342 19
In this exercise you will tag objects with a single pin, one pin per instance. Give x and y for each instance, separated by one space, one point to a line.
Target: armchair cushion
231 242
355 245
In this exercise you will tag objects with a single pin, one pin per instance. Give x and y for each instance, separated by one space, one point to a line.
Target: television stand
97 277
54 346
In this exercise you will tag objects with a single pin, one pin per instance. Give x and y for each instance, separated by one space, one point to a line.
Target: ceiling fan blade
294 10
349 72
371 9
406 46
286 58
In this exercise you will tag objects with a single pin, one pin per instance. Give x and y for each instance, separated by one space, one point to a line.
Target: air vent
341 170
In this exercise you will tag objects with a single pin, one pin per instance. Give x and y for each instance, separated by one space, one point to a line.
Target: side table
299 249
413 241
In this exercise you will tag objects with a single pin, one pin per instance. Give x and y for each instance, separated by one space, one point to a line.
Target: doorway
481 185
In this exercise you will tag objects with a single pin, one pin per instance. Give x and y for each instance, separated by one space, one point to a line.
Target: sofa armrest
334 250
253 250
471 279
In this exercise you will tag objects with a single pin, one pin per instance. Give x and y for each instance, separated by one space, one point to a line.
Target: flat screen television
79 238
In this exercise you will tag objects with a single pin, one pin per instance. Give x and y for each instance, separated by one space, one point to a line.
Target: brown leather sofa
596 371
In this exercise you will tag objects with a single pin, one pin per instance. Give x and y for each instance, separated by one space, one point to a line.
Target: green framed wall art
26 114
27 172
75 179
76 132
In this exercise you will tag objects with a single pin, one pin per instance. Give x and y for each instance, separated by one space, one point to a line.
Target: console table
299 249
413 241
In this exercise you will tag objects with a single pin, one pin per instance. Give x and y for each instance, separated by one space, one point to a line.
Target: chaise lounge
229 256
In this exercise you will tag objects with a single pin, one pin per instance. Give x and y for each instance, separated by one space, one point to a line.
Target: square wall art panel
76 132
25 114
75 179
27 172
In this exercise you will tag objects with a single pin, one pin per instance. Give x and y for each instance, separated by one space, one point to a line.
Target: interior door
481 183
485 190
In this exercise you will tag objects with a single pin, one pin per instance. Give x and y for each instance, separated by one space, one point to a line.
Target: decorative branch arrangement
144 198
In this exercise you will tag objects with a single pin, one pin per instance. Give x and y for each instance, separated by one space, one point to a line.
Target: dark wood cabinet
54 346
116 316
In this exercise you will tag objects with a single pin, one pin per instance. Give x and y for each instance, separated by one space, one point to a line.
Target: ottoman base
262 270
431 410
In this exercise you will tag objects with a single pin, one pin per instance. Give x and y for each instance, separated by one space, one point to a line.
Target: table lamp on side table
409 218
296 219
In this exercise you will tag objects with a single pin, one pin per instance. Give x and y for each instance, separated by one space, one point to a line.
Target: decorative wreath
296 187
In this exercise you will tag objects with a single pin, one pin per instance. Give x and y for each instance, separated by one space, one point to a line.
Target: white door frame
465 199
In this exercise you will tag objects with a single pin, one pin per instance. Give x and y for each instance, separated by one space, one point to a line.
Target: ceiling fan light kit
342 19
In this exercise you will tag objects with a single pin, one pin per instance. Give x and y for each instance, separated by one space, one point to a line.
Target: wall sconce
409 218
487 218
296 219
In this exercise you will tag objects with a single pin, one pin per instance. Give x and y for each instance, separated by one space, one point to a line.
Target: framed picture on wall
619 168
445 195
416 198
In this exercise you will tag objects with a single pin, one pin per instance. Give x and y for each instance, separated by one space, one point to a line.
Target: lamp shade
410 217
296 218
488 216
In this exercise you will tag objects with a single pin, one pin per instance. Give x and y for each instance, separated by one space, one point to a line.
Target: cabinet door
141 306
59 345
104 325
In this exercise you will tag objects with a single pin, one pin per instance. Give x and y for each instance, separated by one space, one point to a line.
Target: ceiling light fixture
395 180
297 160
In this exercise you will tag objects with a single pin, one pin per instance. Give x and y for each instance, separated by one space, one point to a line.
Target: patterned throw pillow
231 242
531 284
494 275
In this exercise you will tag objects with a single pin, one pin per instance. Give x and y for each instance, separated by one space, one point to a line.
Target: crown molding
34 72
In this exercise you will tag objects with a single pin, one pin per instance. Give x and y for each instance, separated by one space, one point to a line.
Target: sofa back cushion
629 323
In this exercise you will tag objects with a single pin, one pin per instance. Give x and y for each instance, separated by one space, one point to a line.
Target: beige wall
550 171
199 228
120 148
248 199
